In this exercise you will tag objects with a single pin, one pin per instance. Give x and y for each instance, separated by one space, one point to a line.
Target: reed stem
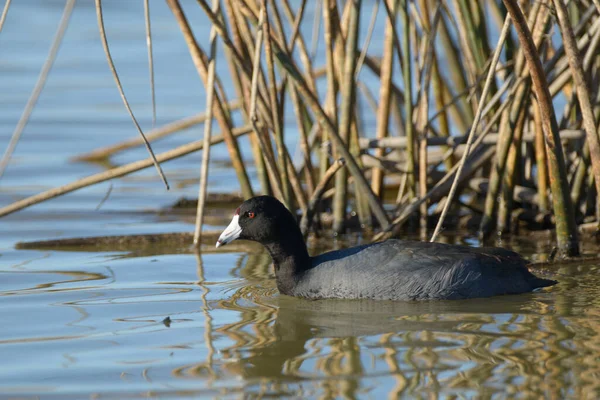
566 230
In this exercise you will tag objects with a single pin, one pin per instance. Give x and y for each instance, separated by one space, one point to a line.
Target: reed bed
486 113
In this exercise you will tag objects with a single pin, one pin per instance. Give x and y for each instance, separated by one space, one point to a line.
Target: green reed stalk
471 33
507 126
566 229
581 84
538 21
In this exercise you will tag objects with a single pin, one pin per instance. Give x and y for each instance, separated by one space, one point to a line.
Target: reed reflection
525 345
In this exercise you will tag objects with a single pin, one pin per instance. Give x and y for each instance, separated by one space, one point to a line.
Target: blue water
93 322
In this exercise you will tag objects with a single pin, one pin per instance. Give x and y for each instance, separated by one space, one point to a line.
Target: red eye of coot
250 214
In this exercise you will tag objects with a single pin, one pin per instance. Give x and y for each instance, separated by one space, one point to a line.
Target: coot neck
290 258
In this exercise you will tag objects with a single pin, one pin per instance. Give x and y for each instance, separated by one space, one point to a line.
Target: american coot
390 270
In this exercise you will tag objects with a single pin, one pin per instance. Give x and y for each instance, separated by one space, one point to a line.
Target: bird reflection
282 345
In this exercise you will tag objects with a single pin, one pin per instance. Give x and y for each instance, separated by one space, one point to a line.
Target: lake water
121 322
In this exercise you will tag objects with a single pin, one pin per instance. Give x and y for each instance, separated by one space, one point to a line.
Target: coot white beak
230 233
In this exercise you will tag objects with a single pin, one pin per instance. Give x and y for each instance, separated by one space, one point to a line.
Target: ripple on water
228 330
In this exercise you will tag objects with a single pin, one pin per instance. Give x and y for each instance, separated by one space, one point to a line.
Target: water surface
165 322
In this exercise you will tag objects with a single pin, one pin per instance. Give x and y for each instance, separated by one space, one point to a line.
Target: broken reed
431 75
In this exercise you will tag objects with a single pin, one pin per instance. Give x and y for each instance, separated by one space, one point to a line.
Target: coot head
263 219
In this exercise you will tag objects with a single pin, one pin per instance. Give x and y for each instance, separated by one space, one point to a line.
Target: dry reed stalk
385 94
313 103
332 84
39 84
305 124
245 67
399 142
308 215
4 13
348 94
566 230
199 59
477 160
265 146
367 43
113 69
243 90
297 41
296 26
452 104
246 73
292 177
361 203
274 107
210 92
509 180
303 118
469 63
473 36
157 133
150 58
578 181
486 87
294 182
116 172
540 157
408 102
559 67
583 94
397 95
464 111
440 89
443 183
509 120
538 21
423 116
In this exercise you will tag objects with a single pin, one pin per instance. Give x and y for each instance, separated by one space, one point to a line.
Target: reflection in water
101 324
521 346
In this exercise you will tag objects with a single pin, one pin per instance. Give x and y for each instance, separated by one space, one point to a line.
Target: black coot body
390 270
